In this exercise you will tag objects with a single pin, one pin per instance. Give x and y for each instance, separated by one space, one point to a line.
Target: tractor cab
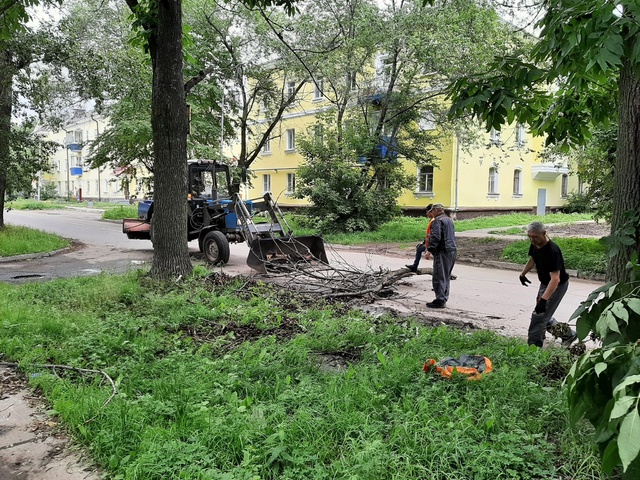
208 181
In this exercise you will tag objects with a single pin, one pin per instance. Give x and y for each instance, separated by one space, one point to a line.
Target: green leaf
622 406
610 458
629 438
619 311
634 304
600 367
630 380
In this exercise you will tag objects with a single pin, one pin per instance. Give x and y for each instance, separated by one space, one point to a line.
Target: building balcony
548 172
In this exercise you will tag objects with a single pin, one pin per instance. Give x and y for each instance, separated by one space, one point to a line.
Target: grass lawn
410 229
587 255
222 378
16 240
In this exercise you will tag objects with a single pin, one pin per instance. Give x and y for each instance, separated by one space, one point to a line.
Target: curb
31 256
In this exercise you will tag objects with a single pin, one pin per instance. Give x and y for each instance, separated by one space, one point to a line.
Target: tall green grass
587 255
195 401
30 204
16 240
411 229
118 212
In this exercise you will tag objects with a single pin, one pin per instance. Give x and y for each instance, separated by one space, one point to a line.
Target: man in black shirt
546 257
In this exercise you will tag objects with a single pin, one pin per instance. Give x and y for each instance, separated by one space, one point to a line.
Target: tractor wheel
216 247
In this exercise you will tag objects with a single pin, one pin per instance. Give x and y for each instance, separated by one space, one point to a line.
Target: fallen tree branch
114 390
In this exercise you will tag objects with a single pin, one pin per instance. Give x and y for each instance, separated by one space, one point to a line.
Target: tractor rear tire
216 247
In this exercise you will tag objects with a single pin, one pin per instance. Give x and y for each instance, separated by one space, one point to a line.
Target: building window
520 135
427 121
318 90
425 179
351 81
266 147
98 186
291 88
60 188
115 186
517 182
493 181
106 186
291 139
383 69
564 189
580 185
88 187
291 183
494 137
318 132
74 137
266 183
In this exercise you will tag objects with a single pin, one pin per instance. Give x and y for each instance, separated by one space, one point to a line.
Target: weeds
199 398
16 240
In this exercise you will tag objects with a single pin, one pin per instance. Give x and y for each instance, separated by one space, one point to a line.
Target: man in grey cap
442 245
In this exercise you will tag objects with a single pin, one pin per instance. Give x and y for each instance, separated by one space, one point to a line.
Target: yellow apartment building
71 174
503 174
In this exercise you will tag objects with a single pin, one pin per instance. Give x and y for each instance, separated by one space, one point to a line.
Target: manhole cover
30 275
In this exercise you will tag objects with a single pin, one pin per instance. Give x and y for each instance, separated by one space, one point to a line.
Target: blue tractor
217 218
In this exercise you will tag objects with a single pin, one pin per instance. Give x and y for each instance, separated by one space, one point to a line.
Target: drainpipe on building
98 133
455 201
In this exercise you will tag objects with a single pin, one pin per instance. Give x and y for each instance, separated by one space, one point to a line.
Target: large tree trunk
626 195
6 85
169 124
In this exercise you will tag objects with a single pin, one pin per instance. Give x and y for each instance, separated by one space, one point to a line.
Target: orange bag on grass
473 366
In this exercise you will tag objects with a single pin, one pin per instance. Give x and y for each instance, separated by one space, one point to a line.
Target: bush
578 203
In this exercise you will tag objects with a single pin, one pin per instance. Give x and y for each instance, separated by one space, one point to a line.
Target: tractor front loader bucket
277 253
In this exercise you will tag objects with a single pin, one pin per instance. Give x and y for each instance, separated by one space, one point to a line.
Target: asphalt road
487 297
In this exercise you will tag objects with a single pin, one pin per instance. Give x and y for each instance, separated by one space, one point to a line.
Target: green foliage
211 385
578 203
604 384
594 165
21 240
30 204
29 154
350 189
119 212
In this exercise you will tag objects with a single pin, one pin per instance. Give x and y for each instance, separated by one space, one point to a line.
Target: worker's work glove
524 280
541 306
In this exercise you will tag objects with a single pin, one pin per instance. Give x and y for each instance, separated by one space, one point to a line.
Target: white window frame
318 90
517 181
424 182
494 137
291 140
106 186
427 122
266 182
521 135
564 186
266 147
351 81
291 183
492 187
291 88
